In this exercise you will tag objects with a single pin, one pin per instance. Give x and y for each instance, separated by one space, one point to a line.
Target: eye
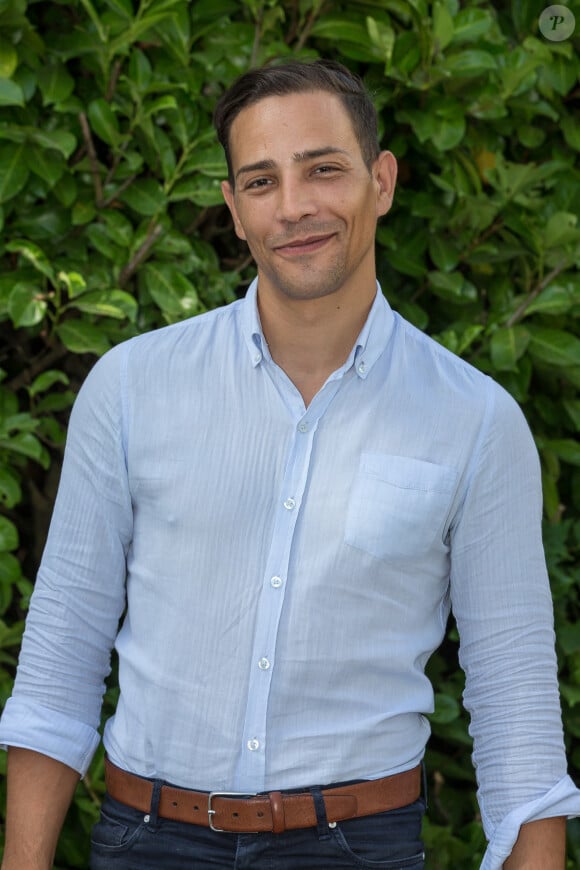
257 183
326 169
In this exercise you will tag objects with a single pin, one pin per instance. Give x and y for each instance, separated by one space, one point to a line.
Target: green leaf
572 408
443 25
104 121
8 534
442 121
74 283
10 93
571 693
557 298
554 346
55 84
566 449
33 254
26 444
452 286
561 229
507 346
446 709
47 380
201 191
107 303
165 153
171 290
140 70
469 25
47 165
58 140
118 226
569 638
571 131
472 62
82 337
161 104
145 197
10 572
82 213
560 74
10 489
8 59
13 171
26 305
101 240
382 37
444 253
208 160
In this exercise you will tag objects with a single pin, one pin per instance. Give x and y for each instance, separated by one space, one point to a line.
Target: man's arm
541 845
40 790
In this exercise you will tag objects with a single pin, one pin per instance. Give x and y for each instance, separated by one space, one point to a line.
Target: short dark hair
293 77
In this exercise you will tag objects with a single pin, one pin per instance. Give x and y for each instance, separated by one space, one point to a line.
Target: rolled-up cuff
30 726
561 800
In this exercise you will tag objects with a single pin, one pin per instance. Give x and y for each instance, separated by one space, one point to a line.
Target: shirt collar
368 347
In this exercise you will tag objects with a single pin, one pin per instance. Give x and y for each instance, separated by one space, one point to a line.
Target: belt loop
152 817
425 789
320 808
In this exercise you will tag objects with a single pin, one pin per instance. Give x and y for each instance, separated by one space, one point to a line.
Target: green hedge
112 223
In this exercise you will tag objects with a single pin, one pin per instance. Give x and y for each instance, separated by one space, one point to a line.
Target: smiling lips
308 245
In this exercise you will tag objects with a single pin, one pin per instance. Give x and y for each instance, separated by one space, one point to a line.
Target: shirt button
264 664
258 358
290 504
276 582
253 744
362 367
303 427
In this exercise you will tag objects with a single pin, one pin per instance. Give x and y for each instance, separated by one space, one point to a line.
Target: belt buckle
211 812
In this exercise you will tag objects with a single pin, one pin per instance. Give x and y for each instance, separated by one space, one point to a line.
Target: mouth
307 245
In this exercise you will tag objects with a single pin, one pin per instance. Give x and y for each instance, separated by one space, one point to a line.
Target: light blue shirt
288 571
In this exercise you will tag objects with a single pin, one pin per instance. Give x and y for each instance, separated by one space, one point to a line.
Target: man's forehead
301 125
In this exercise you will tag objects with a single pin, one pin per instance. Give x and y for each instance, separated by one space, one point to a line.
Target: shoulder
159 347
455 394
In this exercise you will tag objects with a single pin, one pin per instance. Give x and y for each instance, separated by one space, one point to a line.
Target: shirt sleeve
79 595
503 607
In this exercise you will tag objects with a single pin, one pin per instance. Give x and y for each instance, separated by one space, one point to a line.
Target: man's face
303 198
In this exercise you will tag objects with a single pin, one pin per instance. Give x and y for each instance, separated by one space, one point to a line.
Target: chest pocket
398 505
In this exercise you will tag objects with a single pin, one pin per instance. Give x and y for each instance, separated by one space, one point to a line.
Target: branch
110 199
41 364
519 313
93 160
314 14
153 234
112 85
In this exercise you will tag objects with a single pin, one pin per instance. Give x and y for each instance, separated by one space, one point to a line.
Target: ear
229 196
385 176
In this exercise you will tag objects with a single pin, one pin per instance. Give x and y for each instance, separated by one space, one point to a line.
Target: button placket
251 768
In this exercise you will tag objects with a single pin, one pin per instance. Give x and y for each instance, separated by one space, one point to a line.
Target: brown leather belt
276 811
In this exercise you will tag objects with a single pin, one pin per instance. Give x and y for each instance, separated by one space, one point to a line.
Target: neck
311 338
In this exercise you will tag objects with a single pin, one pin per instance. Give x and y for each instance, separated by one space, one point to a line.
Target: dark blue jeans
125 839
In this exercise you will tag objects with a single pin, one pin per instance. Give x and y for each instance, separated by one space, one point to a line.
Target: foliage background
112 223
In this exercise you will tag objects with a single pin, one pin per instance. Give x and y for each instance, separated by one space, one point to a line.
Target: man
288 493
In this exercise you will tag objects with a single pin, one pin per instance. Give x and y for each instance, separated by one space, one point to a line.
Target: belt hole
235 815
174 803
196 808
260 814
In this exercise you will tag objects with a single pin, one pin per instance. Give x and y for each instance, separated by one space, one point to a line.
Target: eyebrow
298 156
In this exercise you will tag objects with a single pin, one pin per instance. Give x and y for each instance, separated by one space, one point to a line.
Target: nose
295 201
